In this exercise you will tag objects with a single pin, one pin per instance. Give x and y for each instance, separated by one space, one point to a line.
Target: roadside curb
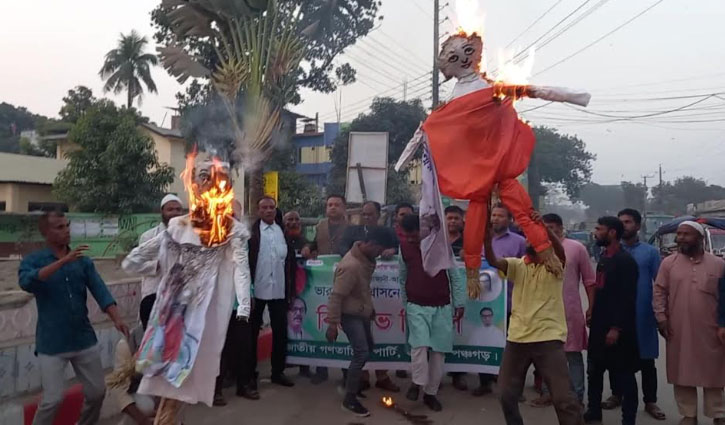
69 411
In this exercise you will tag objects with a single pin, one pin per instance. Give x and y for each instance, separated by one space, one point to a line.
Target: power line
601 38
536 21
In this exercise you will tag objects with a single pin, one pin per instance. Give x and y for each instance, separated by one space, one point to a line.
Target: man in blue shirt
60 279
648 262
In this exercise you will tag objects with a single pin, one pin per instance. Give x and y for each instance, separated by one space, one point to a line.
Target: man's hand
75 254
721 335
388 254
589 317
331 333
664 328
536 217
112 312
612 337
458 313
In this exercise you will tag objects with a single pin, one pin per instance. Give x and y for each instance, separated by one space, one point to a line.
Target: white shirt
151 279
269 279
488 336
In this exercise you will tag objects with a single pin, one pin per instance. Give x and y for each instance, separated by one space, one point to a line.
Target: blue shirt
648 262
63 324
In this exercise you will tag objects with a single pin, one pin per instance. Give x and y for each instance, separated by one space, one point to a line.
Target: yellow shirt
537 312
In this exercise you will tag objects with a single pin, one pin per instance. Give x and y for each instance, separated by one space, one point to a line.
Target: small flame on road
388 401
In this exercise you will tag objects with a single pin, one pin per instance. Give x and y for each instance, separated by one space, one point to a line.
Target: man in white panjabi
182 346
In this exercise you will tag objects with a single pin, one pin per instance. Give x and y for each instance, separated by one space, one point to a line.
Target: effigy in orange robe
478 142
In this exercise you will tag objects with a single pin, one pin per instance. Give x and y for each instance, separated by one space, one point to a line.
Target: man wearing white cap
685 305
170 207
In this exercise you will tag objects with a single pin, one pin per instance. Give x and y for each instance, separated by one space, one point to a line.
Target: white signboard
370 150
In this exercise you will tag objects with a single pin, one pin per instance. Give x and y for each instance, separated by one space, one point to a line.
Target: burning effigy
474 145
202 261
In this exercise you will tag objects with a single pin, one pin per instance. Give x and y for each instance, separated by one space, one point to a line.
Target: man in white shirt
170 208
272 266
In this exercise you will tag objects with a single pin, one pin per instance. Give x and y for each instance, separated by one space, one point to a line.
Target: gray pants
575 361
360 336
88 369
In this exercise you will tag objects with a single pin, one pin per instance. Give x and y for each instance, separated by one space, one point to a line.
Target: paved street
320 405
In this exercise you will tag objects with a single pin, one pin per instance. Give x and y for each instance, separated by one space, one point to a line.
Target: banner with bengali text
479 338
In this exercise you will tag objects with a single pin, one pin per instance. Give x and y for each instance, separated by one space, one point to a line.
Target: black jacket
615 306
290 265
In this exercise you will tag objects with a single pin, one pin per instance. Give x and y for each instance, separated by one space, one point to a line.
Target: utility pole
436 24
660 175
405 89
644 205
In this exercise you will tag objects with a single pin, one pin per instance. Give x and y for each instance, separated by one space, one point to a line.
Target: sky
657 83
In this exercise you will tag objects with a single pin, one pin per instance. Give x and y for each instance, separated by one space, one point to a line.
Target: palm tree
127 65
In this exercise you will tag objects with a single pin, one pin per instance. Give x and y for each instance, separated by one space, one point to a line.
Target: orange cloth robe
477 143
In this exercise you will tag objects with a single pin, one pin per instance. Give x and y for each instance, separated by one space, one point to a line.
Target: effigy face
460 56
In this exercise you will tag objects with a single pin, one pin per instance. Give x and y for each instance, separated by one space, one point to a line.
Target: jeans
575 360
360 336
649 381
626 384
278 319
87 367
549 359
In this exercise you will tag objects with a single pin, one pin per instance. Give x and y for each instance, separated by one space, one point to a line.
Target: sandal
611 403
654 411
543 401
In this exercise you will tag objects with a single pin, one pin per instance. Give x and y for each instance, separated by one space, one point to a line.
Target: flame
388 401
469 19
210 205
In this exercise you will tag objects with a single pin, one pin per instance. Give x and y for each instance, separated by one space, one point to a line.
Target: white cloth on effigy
194 381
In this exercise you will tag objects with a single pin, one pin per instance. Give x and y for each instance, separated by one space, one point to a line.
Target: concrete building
26 182
312 151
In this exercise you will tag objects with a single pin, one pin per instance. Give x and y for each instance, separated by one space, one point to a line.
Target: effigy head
460 55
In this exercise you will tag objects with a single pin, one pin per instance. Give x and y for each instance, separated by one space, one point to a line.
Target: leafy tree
116 170
400 119
328 27
43 148
126 66
76 103
560 159
299 194
14 120
602 199
673 197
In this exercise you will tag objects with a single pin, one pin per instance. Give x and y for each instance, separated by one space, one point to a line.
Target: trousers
237 356
427 368
575 360
549 359
87 367
649 381
278 320
360 336
626 385
686 398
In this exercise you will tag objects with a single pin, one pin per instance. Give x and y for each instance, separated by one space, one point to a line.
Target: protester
686 309
506 244
577 272
136 408
237 355
401 210
454 224
648 262
537 331
370 218
272 265
328 236
330 230
293 231
430 303
613 330
60 278
170 207
351 306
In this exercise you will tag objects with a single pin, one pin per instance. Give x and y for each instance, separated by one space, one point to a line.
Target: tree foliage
559 159
328 27
14 120
75 104
296 193
400 119
673 197
116 170
126 66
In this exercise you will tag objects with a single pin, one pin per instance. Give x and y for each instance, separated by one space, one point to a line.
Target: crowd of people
631 298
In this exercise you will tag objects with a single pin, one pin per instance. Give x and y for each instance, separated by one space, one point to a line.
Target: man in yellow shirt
537 332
